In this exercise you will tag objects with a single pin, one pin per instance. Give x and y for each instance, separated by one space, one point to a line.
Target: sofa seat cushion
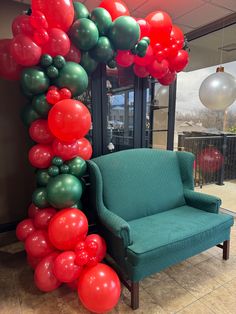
173 230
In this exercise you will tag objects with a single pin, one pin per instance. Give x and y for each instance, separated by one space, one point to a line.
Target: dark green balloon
34 80
147 39
40 105
88 63
29 115
57 161
64 191
142 46
112 64
102 19
77 167
39 198
80 11
53 171
52 72
46 60
59 62
42 177
64 169
84 34
74 77
124 32
103 51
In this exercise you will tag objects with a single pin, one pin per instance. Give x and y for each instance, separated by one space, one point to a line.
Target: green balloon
64 169
64 191
46 60
42 177
53 171
84 34
57 161
80 11
124 32
59 62
102 19
29 115
34 80
147 39
40 105
103 51
142 46
112 64
52 72
74 77
88 63
39 198
77 167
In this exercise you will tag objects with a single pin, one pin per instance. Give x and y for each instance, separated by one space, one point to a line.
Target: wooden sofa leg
134 289
226 246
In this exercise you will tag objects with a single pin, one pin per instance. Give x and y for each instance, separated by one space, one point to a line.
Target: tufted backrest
140 182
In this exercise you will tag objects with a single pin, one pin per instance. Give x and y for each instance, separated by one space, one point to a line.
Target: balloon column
55 47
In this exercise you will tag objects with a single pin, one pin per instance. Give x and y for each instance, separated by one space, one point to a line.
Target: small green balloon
84 34
80 11
59 62
102 19
142 46
77 167
74 77
40 105
34 80
52 72
64 169
147 39
88 63
29 115
141 53
46 60
53 171
57 161
124 33
64 191
42 177
103 51
112 64
39 198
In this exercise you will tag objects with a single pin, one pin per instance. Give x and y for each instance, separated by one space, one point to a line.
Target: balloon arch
56 45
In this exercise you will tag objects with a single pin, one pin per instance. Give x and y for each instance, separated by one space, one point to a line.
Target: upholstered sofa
149 214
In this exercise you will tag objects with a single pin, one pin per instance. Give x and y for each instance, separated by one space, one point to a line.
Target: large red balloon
69 120
144 27
67 227
124 58
179 62
210 160
32 210
40 133
21 25
25 51
116 8
140 71
64 267
59 14
178 36
37 244
24 229
9 68
44 277
40 156
43 217
73 55
99 288
168 79
58 43
147 59
84 148
65 150
158 70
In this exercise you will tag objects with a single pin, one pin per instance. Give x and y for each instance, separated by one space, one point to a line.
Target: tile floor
203 284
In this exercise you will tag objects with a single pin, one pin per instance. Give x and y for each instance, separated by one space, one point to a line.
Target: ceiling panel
229 4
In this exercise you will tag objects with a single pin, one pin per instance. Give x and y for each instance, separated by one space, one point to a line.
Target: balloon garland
55 47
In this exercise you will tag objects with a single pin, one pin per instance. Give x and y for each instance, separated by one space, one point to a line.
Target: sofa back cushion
140 182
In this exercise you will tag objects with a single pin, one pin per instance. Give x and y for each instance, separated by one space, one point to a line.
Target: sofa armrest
202 201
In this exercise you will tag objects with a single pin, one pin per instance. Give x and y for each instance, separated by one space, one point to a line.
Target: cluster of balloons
210 160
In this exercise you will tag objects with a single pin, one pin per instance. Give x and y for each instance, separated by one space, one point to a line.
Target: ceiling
188 14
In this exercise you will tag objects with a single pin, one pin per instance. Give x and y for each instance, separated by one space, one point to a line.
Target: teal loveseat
149 214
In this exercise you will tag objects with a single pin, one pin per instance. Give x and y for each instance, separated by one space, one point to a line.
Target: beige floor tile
176 268
231 286
196 308
153 279
199 258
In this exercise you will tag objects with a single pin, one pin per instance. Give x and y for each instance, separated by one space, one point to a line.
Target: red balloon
158 70
9 68
24 229
65 150
41 37
173 50
65 93
25 51
40 156
178 36
85 149
179 62
58 13
99 288
21 25
43 217
144 27
33 261
40 133
168 79
147 59
64 267
116 8
58 43
124 58
44 277
67 227
37 244
82 258
210 160
32 210
69 120
53 96
140 71
73 55
38 20
98 250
